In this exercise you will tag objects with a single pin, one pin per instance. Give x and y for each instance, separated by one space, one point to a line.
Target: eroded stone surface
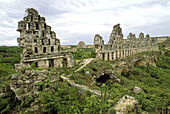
33 84
125 104
118 47
39 43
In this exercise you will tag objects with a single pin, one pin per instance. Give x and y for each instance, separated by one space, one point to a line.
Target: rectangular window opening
52 48
36 50
48 41
43 34
51 63
36 64
42 42
44 49
37 27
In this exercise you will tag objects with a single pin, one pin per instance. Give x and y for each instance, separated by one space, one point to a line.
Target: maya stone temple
39 43
118 47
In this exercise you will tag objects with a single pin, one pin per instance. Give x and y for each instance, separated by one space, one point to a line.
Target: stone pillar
122 53
106 56
57 63
101 56
43 64
110 56
132 52
118 54
114 54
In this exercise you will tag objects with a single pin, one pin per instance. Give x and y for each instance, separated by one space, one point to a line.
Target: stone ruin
118 47
81 44
39 43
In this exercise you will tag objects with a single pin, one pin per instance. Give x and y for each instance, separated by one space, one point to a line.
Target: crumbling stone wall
39 43
117 48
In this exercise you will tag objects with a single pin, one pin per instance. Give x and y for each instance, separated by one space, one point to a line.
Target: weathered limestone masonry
39 43
117 48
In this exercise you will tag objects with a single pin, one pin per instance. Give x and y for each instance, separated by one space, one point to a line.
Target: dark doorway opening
48 41
43 34
36 64
52 48
44 49
51 63
37 27
42 42
103 56
103 78
36 50
108 57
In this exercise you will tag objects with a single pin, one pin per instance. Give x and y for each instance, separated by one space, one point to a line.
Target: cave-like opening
103 78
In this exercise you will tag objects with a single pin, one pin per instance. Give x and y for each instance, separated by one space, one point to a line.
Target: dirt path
81 87
86 62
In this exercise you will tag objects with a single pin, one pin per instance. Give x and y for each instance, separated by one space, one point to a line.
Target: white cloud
80 20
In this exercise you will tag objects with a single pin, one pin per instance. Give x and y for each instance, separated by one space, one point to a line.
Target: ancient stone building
117 47
81 44
39 43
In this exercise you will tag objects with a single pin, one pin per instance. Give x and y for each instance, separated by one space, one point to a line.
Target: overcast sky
80 20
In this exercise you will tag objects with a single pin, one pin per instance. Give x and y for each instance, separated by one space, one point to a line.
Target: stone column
106 56
57 63
110 56
101 56
122 53
43 64
118 54
114 54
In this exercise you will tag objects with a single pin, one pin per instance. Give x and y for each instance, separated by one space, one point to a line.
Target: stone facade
117 48
39 43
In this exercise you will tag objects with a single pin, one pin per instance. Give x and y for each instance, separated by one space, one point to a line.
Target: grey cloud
68 14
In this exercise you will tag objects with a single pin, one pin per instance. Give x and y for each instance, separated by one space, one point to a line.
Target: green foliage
62 100
83 53
28 100
155 84
9 56
7 104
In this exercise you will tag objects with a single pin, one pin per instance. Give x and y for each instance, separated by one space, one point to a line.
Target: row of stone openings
44 49
42 42
118 54
42 35
51 63
34 19
28 26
